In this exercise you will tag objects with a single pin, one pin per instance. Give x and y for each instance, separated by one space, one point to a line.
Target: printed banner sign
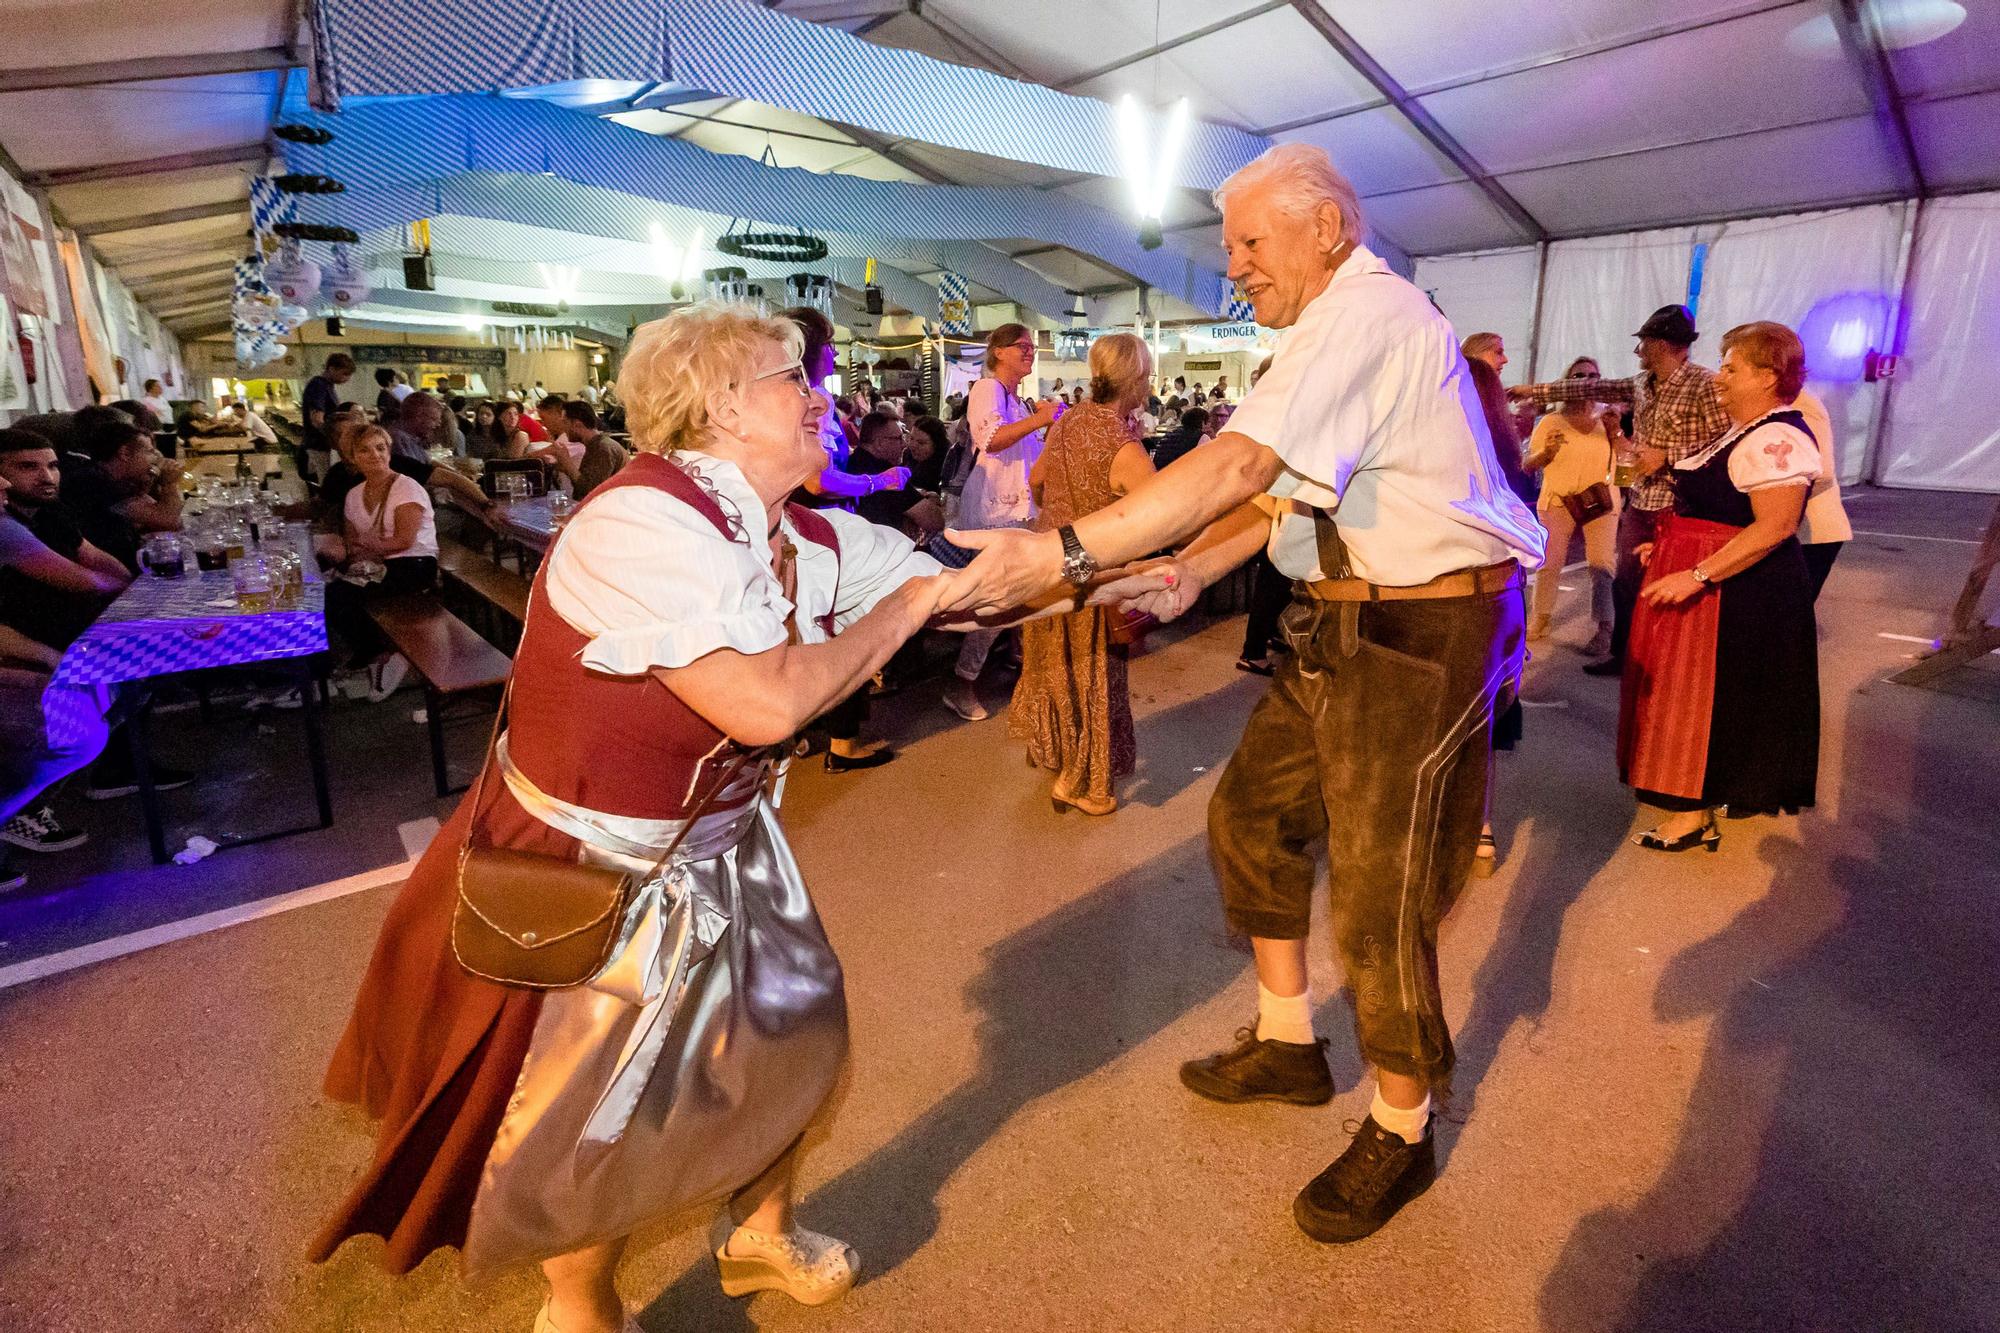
954 304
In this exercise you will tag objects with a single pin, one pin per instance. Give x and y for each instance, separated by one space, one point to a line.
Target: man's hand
1013 568
1651 460
1522 393
1643 553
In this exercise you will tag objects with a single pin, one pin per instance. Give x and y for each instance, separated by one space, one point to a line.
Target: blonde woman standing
1006 441
1072 705
1572 448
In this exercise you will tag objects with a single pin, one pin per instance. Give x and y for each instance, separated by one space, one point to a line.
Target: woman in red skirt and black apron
1721 697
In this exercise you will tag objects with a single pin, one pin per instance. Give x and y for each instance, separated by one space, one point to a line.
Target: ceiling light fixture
679 267
1151 167
1900 24
561 281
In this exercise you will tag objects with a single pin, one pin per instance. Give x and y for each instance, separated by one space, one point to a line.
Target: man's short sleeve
1311 408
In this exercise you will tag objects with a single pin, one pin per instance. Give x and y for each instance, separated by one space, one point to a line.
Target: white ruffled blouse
652 583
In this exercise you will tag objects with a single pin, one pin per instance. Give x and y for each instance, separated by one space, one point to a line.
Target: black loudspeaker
871 296
336 327
417 275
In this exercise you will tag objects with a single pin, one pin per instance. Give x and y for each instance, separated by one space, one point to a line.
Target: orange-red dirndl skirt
1668 700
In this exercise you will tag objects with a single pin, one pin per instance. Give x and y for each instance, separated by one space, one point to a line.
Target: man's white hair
1297 178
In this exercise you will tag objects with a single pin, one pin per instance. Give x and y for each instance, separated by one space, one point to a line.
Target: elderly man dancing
1362 458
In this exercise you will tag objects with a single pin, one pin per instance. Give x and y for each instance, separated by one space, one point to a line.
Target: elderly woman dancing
687 622
1721 694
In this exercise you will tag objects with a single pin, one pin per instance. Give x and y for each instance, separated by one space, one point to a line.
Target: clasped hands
1017 576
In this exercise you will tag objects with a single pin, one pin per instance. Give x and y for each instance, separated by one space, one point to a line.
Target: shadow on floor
1063 998
1577 828
1835 1168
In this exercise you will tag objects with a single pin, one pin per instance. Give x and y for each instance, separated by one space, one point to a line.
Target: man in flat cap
1675 413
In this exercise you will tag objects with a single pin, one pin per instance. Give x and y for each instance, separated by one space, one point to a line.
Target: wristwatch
1701 575
1078 565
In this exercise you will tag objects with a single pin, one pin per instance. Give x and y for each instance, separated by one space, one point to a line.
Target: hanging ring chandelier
774 247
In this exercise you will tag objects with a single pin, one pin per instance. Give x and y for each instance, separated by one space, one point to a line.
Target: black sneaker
1365 1186
1610 666
1263 1071
41 832
118 782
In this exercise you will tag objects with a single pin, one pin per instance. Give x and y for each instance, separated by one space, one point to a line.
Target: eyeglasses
796 370
1027 347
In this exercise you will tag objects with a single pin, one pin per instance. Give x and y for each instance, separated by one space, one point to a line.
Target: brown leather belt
1459 583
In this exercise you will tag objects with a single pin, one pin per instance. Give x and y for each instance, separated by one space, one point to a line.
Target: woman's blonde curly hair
675 363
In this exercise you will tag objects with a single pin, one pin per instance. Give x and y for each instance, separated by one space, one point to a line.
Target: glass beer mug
163 556
256 588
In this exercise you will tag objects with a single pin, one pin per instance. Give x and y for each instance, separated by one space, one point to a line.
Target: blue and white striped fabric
731 48
270 205
419 157
954 304
1237 311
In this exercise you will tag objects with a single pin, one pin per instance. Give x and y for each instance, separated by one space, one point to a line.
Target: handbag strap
722 780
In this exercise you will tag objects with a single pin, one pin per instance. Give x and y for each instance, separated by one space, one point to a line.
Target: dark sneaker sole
1203 1084
130 789
44 845
1341 1229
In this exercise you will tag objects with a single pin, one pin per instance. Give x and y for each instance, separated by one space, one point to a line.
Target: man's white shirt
1370 406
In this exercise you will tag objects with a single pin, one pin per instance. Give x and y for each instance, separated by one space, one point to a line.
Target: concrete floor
1753 1090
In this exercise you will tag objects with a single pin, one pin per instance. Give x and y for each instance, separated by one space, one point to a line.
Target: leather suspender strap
1332 547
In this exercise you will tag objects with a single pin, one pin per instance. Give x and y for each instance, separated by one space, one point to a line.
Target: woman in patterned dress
1072 705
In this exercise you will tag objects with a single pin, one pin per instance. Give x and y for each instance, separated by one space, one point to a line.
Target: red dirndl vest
623 745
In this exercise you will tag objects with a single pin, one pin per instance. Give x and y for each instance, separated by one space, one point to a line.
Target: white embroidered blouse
652 583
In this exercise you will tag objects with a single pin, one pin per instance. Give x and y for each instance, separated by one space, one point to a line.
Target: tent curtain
1491 292
1942 431
1599 290
1830 277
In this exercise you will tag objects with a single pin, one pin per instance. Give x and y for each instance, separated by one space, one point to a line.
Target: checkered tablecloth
160 626
528 522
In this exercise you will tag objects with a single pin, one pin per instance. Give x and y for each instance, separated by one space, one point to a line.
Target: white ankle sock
1409 1123
1285 1017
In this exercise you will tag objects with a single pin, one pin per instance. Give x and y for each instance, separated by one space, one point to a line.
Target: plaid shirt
1680 415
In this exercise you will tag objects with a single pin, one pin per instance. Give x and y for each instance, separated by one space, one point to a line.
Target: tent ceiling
1595 115
1742 99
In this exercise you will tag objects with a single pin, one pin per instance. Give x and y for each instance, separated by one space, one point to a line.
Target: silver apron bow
692 1061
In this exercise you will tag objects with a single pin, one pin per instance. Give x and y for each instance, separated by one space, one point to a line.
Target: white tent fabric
1491 292
1943 427
1791 268
1598 291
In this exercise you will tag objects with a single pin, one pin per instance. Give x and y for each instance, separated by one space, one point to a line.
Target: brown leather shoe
1262 1071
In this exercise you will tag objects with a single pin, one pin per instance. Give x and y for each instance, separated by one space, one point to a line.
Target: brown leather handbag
538 922
1589 504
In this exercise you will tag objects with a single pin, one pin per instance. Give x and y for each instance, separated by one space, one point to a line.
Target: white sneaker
389 676
810 1268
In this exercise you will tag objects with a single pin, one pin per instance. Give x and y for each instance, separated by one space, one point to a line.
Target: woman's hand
1643 553
916 601
1673 589
1164 589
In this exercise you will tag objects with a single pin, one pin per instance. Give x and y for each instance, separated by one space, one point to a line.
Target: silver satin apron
692 1062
